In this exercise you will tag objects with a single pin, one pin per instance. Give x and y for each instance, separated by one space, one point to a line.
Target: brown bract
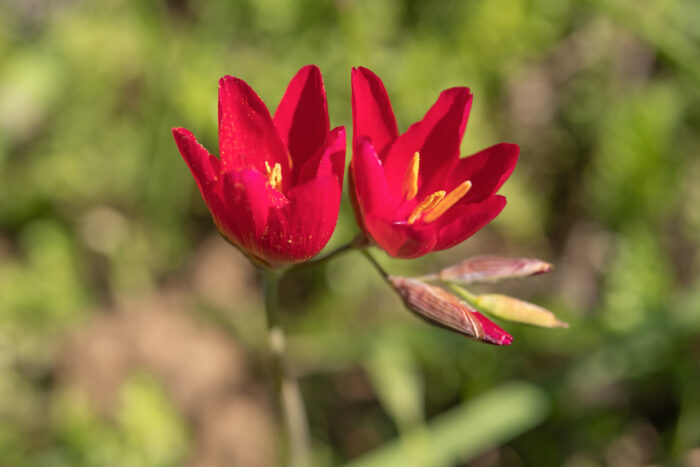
491 269
441 308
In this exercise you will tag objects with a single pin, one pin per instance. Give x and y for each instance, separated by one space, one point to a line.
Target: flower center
435 204
426 205
447 202
274 175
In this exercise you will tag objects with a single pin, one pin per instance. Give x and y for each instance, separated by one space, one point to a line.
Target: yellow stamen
447 202
410 178
274 175
427 204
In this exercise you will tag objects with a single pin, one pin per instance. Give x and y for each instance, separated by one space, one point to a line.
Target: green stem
288 398
465 294
338 251
360 242
376 265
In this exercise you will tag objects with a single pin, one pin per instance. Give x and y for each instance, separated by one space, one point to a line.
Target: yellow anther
447 202
274 175
427 204
409 188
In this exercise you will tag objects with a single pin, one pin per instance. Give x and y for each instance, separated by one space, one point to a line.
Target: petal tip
363 72
311 68
364 143
182 135
310 72
180 131
228 80
511 150
493 334
459 90
338 131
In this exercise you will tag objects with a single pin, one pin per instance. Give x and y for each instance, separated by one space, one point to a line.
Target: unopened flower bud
512 309
443 309
491 269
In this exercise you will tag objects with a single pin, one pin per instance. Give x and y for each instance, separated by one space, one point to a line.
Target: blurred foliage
147 430
97 207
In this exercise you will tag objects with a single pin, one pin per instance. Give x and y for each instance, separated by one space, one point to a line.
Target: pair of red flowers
275 191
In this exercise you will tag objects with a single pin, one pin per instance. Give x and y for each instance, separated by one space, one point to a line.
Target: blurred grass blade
467 430
492 269
396 380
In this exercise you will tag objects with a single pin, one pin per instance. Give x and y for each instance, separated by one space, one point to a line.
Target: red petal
437 137
464 220
377 207
401 240
301 229
302 116
493 334
487 170
328 160
372 116
356 210
370 182
247 205
202 164
247 136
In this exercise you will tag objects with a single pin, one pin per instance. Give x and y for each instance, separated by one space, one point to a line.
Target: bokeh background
132 335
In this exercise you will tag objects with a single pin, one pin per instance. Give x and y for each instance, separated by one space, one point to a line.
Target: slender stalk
376 265
465 294
360 242
296 446
427 278
338 251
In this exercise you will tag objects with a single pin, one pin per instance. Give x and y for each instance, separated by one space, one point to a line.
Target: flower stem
465 294
376 265
427 278
290 404
340 250
359 242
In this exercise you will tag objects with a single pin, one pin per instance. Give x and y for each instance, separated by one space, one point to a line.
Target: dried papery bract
492 269
440 307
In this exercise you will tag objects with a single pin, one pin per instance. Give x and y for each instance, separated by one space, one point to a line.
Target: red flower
276 189
412 193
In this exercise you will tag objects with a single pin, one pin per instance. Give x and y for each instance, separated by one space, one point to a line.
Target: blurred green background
132 335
